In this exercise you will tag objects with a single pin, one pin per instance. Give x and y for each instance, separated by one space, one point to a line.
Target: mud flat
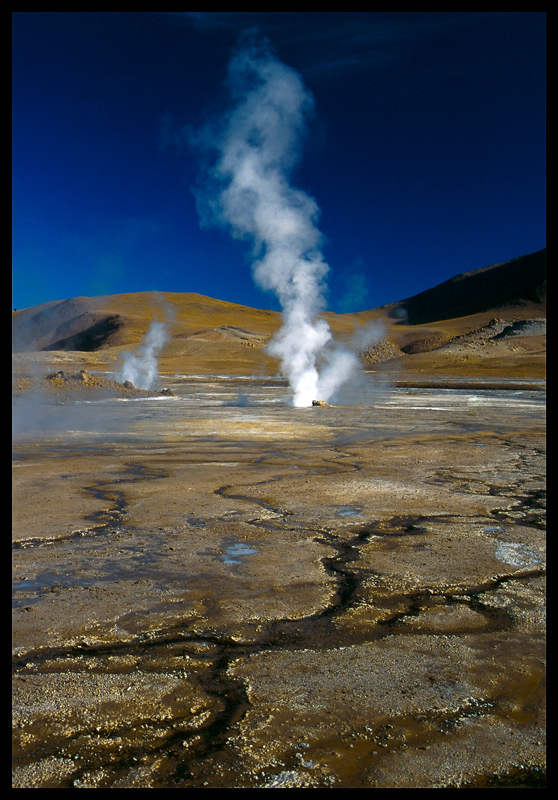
214 589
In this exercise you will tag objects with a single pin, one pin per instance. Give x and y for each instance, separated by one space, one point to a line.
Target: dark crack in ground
217 609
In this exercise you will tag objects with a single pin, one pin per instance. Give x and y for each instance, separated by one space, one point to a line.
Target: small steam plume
142 367
248 191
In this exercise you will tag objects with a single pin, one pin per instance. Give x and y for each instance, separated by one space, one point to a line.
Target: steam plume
248 191
142 367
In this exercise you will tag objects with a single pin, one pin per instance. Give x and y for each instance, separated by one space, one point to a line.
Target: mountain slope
93 323
468 324
519 283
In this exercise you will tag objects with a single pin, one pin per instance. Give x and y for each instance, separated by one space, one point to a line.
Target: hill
489 321
514 285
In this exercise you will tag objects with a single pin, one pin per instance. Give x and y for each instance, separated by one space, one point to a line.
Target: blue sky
425 152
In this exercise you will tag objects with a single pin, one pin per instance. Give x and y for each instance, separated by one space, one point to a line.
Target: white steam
142 367
249 192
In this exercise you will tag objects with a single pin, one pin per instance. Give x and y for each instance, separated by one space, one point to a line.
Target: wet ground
216 589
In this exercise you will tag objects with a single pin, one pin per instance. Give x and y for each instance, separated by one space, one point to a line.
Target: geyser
247 190
142 367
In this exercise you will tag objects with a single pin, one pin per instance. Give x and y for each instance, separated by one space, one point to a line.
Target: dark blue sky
425 153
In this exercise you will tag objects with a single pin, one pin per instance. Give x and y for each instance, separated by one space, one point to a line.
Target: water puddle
236 552
517 554
348 511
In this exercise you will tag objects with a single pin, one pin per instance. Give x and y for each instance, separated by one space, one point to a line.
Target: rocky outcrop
384 350
82 383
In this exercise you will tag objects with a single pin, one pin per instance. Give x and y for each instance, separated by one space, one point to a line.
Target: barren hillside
487 321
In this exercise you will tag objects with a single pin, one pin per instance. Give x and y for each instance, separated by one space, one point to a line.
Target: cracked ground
219 590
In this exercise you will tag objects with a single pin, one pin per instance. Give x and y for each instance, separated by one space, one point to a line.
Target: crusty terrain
79 385
211 592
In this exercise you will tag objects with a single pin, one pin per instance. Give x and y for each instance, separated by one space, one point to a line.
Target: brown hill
486 322
469 325
518 284
205 335
91 323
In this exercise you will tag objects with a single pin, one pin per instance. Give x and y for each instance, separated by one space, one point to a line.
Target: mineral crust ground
212 589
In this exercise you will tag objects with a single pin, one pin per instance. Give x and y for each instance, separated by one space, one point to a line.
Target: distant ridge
520 282
88 324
